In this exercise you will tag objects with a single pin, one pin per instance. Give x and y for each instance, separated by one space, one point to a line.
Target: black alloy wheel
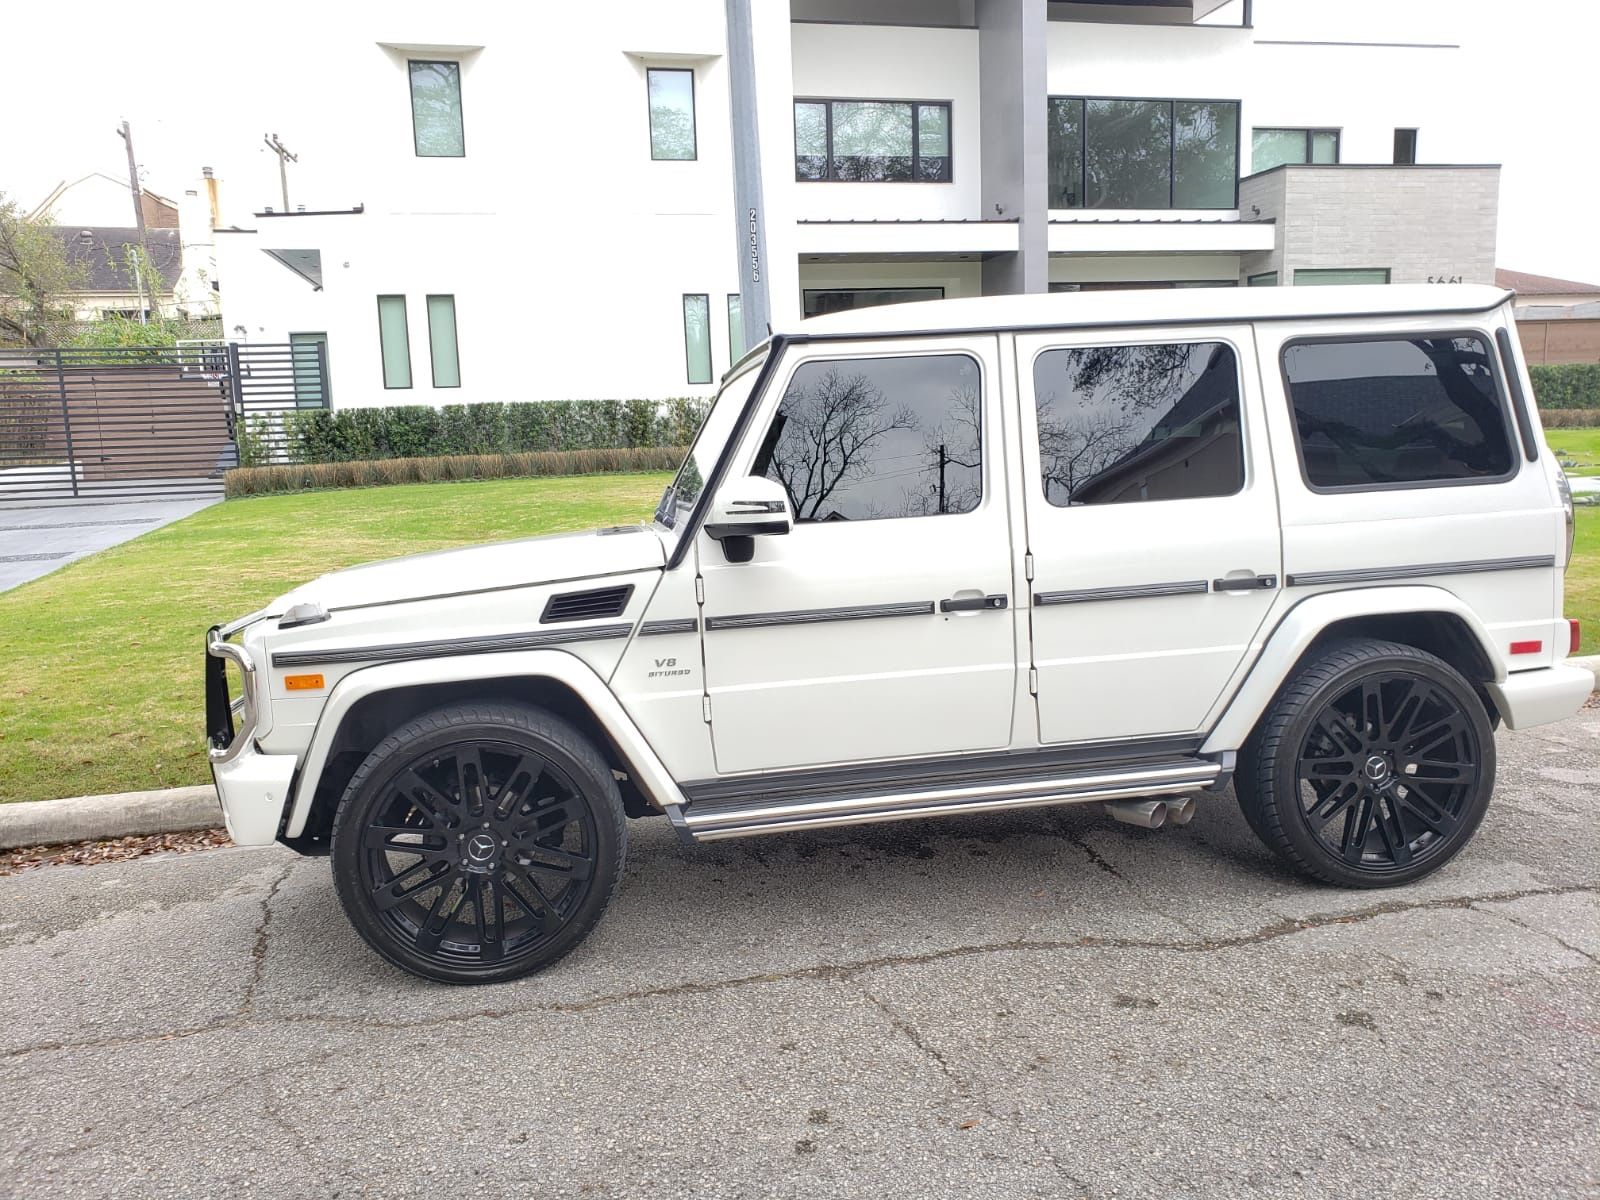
1372 768
479 843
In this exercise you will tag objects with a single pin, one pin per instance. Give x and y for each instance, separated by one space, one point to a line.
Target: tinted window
1396 410
892 141
1127 423
671 113
868 438
436 109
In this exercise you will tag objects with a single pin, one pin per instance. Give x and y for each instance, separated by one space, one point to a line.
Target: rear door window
1384 412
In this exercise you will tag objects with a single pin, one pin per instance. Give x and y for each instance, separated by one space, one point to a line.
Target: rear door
1152 523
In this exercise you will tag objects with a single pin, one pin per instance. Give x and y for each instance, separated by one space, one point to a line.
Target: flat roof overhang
1160 237
838 241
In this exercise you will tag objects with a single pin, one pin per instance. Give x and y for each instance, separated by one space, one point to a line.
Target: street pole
138 215
284 159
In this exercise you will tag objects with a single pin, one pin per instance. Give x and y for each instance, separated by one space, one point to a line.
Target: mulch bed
84 854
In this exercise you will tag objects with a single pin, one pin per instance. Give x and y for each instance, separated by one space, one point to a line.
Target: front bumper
1539 697
254 789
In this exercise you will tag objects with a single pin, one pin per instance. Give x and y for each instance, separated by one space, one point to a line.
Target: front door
883 625
1152 522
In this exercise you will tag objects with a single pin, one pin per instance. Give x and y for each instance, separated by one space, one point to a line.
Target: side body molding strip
1532 562
809 616
450 647
673 625
1184 587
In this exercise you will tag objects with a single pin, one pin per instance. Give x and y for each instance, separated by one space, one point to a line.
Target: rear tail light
1573 636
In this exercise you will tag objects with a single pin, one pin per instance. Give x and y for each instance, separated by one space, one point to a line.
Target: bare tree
829 427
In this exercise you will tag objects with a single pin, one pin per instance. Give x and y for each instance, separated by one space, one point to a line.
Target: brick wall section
1419 222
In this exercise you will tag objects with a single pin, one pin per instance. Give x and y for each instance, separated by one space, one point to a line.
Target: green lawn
1577 449
100 684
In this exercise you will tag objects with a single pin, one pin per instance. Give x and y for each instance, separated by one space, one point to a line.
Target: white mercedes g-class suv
952 557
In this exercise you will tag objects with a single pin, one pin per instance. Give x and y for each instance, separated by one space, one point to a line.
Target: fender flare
651 776
1305 622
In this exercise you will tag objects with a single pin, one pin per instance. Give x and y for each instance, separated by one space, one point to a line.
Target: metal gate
139 422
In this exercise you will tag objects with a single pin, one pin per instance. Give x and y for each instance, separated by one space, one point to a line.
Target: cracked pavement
1044 1003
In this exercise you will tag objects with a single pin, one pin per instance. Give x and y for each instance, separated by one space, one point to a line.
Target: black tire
478 843
1372 767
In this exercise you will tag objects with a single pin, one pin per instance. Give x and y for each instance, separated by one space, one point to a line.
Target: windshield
683 493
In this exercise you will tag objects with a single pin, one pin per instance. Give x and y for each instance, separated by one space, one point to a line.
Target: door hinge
699 589
1033 680
1027 566
705 708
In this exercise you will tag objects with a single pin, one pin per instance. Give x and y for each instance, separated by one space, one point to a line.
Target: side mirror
746 509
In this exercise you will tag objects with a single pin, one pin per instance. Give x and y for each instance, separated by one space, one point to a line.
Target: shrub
1566 385
417 431
1569 418
298 477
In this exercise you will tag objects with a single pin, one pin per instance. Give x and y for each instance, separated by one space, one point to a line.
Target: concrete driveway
37 539
1046 1004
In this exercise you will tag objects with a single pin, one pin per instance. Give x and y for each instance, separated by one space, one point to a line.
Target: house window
1121 424
394 341
1148 154
672 132
442 347
1337 275
1374 412
308 357
817 302
436 109
697 337
1265 279
736 345
1274 147
1405 147
872 141
866 439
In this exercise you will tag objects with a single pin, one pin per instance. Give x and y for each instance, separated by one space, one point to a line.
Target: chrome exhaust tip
1146 814
1180 810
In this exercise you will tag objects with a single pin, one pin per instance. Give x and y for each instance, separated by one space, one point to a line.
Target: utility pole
284 159
126 135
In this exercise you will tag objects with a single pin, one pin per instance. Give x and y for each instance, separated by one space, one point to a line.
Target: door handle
972 603
1245 584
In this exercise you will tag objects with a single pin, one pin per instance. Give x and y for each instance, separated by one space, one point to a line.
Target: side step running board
1171 777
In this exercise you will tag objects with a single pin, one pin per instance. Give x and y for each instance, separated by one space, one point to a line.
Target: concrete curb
127 814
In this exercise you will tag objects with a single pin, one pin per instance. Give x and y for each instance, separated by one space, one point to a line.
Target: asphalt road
1045 1004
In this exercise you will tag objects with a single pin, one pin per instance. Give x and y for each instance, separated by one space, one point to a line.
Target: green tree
37 280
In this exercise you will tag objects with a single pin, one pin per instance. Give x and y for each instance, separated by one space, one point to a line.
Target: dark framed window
1143 154
1122 424
697 337
869 439
1264 279
1405 147
436 126
443 351
672 126
394 342
872 141
1332 276
1142 285
308 355
736 346
1379 412
1274 147
816 302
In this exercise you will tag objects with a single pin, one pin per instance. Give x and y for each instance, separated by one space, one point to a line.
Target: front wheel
1372 768
478 843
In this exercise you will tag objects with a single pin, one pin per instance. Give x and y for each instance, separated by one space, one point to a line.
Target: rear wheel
478 843
1373 767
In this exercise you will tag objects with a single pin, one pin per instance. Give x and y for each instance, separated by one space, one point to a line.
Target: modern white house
621 217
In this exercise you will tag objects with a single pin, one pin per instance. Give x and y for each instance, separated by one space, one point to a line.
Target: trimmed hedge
417 431
1569 418
1566 386
257 481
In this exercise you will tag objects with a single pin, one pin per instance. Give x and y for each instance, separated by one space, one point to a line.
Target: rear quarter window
1397 411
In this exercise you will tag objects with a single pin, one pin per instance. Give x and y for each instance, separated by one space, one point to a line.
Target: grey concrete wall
1423 223
1012 90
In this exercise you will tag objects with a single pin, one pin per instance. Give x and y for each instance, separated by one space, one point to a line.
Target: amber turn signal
303 683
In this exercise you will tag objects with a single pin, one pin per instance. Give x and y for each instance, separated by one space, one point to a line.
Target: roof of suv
1198 305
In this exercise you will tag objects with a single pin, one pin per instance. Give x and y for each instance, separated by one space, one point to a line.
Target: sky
59 110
